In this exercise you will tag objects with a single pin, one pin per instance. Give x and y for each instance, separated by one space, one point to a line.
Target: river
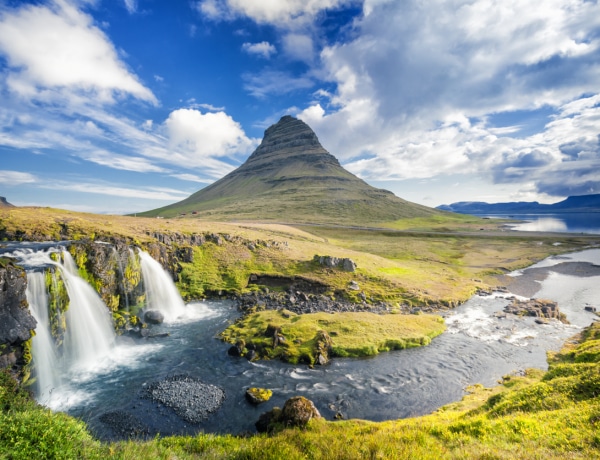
476 348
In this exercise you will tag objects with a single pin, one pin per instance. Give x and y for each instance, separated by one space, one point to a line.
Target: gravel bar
191 399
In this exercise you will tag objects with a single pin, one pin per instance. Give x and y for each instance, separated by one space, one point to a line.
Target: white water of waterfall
90 334
48 373
161 292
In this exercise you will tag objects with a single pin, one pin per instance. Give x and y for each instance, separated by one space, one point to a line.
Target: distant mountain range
581 203
290 177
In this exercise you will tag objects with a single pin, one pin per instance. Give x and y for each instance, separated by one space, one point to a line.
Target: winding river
479 346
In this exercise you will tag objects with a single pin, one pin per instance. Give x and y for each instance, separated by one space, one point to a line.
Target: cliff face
16 323
290 177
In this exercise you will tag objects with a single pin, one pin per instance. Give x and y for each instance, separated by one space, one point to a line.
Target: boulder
298 411
258 395
335 262
154 317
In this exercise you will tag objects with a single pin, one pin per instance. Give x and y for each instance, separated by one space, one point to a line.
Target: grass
428 266
347 334
541 415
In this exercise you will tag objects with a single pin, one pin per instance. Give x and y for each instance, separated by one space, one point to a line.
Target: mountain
581 203
290 177
5 204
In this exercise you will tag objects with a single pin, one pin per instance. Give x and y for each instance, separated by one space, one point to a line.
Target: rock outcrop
344 264
16 323
539 308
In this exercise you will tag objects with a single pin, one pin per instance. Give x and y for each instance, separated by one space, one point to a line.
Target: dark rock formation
539 308
301 302
16 323
154 317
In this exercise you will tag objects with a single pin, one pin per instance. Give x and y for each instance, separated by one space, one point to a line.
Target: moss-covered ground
351 334
541 415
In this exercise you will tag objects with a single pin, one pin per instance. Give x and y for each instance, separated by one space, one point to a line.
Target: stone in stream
258 395
539 308
154 317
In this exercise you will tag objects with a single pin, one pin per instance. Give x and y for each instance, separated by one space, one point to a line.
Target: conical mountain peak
290 139
290 177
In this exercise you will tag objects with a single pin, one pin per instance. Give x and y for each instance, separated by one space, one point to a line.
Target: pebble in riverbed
124 424
191 399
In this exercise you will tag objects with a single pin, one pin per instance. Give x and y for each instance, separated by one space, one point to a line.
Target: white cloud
274 82
56 51
416 84
122 162
281 13
299 46
197 136
263 49
192 178
144 193
10 178
131 6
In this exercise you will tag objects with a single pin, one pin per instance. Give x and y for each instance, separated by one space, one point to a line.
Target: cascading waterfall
43 346
161 292
90 334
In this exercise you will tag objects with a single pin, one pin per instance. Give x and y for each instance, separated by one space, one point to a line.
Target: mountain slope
290 177
581 203
5 204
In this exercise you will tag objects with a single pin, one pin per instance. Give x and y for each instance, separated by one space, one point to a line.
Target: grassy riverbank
550 415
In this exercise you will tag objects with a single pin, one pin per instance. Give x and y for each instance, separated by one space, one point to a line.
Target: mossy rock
258 395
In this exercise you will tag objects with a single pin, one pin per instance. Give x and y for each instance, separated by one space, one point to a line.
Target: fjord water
478 347
588 223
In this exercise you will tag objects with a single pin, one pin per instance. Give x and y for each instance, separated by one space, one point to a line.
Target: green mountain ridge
290 177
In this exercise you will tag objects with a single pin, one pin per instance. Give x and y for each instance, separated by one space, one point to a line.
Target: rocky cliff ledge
16 323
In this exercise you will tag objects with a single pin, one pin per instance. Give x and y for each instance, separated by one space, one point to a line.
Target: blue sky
119 106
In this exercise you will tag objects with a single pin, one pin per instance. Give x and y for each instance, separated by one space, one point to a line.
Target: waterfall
90 334
161 292
43 347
